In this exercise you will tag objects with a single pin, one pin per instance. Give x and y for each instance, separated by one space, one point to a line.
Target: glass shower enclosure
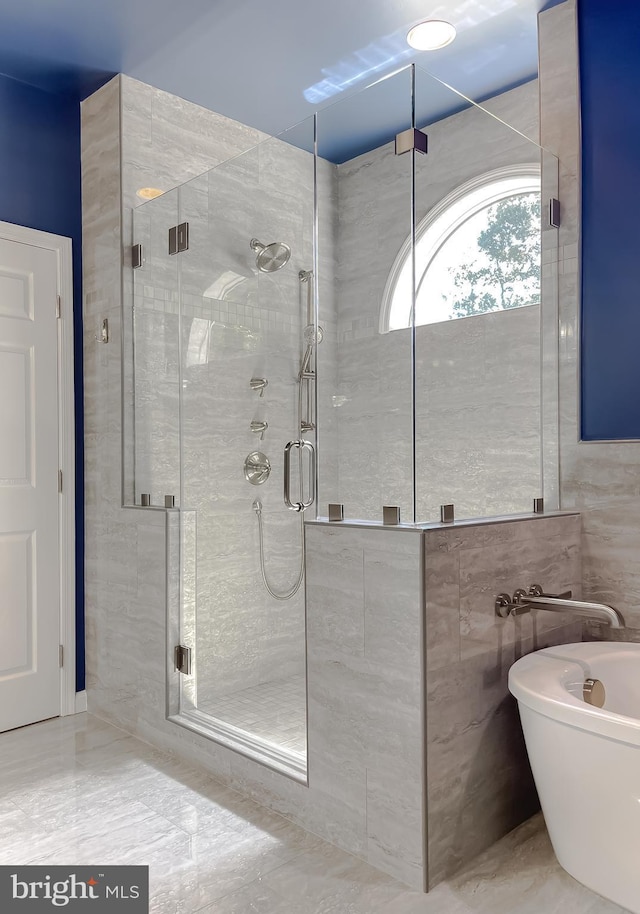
224 334
318 321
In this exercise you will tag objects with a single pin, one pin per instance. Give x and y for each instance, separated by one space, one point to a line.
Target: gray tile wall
479 785
364 601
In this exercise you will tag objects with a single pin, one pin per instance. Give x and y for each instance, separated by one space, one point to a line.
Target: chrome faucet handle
258 384
503 605
258 427
506 606
536 591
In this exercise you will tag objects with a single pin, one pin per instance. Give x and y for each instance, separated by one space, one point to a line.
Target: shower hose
257 507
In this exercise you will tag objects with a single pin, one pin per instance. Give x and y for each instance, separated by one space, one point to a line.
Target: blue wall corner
609 34
40 187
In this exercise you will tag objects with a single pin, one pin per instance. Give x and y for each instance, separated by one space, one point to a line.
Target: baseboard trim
81 702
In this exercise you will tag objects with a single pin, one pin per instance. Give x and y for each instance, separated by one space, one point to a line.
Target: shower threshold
288 762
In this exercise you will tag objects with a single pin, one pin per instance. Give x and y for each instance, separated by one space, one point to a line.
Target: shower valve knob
259 428
258 384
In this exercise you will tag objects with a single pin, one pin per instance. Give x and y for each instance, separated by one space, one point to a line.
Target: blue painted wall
40 188
609 32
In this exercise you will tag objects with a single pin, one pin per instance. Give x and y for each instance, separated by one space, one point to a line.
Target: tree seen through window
506 271
477 251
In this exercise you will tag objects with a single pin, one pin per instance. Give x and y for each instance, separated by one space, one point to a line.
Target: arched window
477 250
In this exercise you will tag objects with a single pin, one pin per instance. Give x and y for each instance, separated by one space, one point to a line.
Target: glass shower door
152 447
247 341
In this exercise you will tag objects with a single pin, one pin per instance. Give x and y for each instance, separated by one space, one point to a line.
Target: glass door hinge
411 139
137 256
179 238
183 659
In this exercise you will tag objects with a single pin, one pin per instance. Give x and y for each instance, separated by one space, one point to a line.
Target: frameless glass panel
152 449
247 331
364 377
553 334
479 287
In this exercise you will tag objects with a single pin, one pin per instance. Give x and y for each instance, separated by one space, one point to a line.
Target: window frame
438 225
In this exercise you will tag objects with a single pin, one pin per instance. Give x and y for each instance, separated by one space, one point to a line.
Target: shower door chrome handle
301 446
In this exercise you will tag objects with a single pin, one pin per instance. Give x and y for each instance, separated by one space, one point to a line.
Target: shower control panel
257 468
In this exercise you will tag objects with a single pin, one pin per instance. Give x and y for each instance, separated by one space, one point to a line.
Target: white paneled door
29 500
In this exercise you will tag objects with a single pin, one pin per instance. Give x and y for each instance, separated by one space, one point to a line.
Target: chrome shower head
311 338
270 257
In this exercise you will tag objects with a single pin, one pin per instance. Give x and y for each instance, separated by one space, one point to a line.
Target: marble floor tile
77 790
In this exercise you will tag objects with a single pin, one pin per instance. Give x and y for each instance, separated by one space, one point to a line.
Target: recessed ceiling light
431 35
149 193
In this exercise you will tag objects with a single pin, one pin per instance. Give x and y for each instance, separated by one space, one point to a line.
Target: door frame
62 247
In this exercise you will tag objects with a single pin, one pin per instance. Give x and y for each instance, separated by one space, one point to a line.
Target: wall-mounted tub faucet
258 384
258 427
523 601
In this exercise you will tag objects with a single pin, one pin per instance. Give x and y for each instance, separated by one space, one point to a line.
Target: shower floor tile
275 711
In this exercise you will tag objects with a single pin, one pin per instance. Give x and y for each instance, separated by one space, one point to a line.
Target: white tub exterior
586 760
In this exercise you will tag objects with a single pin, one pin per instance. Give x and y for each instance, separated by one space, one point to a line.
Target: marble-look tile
478 780
380 700
244 858
151 542
13 820
335 592
442 609
393 601
552 562
519 108
610 543
327 878
396 824
367 685
477 535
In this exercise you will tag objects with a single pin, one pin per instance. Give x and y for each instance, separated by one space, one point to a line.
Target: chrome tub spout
523 601
599 612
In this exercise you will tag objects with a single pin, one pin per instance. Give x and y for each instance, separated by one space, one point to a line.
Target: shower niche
358 312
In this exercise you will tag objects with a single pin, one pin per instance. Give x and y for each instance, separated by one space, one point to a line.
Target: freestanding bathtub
586 760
